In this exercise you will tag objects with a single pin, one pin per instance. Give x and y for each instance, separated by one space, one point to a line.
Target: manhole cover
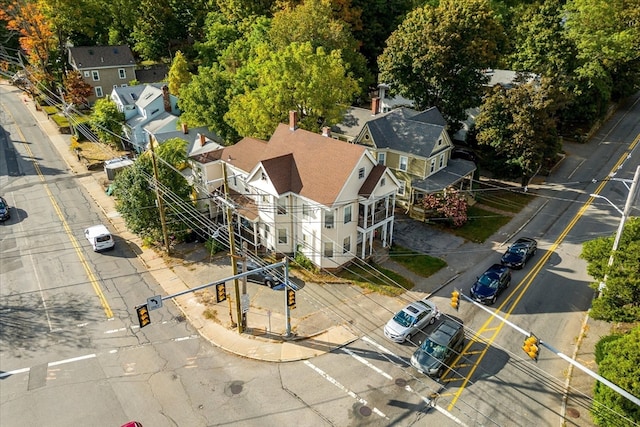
401 382
573 413
236 388
365 411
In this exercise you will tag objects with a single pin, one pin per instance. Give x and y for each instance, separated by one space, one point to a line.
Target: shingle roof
405 130
456 170
102 56
311 165
372 180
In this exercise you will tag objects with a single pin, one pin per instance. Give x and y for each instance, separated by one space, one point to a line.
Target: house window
155 111
360 173
347 214
96 76
282 235
87 74
265 198
433 165
328 249
98 91
282 206
403 163
441 161
382 158
401 189
346 245
383 182
328 219
306 210
122 73
264 176
439 142
267 231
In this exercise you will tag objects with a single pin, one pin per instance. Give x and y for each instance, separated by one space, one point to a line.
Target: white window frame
282 206
441 161
361 173
348 214
403 163
402 189
329 219
328 249
282 236
346 245
87 73
433 165
382 158
98 91
122 73
306 210
95 75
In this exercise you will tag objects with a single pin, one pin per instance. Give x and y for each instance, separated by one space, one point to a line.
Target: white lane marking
14 372
73 359
341 387
113 331
190 337
387 351
367 364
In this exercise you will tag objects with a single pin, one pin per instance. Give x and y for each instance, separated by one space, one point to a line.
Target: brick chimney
203 139
166 99
185 128
375 105
293 120
326 131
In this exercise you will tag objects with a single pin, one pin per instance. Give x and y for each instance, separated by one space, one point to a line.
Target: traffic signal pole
584 369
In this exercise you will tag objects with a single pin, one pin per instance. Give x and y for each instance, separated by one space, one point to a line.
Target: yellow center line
74 241
526 282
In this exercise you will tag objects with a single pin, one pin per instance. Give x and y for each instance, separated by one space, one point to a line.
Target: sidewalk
315 330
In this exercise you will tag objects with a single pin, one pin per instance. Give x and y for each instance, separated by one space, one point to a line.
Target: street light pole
625 214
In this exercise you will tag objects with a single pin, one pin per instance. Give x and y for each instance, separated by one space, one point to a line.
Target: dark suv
496 279
437 352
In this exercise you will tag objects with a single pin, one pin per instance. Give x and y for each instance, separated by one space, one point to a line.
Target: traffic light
455 299
143 315
532 347
221 292
291 299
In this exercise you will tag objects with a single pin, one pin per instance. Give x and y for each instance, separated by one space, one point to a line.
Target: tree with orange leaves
27 18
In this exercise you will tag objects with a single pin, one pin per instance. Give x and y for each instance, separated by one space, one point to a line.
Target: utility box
113 166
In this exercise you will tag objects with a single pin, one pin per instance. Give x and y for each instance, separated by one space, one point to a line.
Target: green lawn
420 264
481 225
508 201
373 279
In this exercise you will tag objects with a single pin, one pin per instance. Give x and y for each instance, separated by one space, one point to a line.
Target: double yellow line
92 278
526 283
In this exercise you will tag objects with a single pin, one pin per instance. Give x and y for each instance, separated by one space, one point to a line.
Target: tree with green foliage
618 359
436 56
136 198
179 74
313 22
79 22
204 102
310 81
620 299
519 124
106 121
607 35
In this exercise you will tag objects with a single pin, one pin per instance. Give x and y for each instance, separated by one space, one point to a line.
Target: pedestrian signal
455 299
221 292
143 315
531 346
291 298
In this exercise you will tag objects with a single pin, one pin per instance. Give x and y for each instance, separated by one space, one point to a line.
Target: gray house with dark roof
417 148
103 67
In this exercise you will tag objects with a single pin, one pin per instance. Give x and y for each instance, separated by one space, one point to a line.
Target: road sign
154 302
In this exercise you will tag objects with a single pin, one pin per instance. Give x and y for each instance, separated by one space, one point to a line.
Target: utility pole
163 222
232 250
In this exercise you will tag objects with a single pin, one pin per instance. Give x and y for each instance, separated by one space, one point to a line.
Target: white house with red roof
302 192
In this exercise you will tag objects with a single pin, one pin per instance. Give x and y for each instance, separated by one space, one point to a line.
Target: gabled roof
85 57
372 180
129 95
311 165
456 171
353 121
407 130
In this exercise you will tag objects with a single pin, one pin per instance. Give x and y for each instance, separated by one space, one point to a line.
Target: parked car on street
437 352
262 277
411 319
493 281
519 252
5 214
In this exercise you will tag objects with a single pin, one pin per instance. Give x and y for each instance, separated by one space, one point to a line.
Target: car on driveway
519 252
491 283
411 319
270 278
4 210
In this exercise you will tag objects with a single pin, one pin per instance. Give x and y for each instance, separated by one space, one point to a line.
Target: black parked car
4 210
520 252
496 279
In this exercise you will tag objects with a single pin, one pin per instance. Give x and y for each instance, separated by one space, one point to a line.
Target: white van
99 237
